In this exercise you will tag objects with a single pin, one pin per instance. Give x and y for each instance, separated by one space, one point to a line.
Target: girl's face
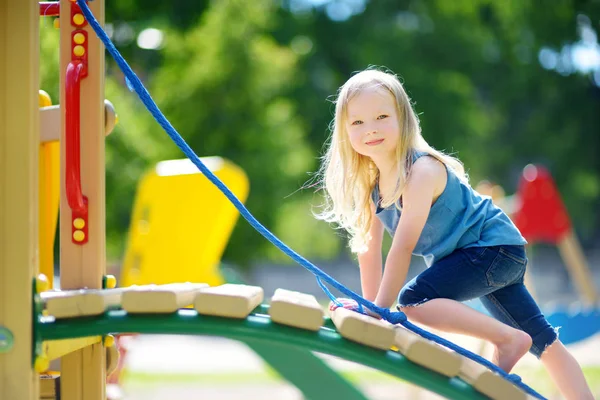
372 123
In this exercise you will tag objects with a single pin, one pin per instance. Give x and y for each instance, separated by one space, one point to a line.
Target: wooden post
573 256
82 264
19 149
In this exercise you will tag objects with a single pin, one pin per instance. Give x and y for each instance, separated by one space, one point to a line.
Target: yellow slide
181 223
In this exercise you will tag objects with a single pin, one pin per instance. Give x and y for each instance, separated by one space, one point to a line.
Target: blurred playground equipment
180 218
39 323
540 214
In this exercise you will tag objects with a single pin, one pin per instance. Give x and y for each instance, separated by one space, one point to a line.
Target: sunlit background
500 84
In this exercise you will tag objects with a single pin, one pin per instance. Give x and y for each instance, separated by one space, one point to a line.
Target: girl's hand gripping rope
352 305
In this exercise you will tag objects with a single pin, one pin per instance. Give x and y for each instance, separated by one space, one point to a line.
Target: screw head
78 236
109 341
41 363
110 282
41 283
6 340
78 19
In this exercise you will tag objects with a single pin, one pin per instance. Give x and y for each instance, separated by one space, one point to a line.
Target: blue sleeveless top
459 218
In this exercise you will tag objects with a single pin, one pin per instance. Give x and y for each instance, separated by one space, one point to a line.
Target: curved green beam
256 327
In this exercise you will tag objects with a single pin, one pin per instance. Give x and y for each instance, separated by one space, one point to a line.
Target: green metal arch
256 327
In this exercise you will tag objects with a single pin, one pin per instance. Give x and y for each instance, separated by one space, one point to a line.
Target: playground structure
538 211
74 324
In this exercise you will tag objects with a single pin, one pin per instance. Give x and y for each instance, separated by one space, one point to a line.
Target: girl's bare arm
416 198
370 262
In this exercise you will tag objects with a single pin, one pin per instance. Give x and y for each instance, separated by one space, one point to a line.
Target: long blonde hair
349 177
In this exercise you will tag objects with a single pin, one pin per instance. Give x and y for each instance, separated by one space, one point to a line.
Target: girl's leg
454 317
566 372
514 305
433 299
497 275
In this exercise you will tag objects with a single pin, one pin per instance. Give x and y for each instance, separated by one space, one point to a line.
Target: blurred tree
225 84
474 72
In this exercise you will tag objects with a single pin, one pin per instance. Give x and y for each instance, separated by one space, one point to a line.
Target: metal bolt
6 340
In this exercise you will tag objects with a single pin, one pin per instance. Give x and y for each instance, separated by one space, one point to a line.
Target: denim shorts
495 276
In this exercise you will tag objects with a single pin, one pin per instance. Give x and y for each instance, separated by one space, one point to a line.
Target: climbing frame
296 310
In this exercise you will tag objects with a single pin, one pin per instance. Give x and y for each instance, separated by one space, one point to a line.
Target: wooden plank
228 300
363 329
110 117
49 124
489 383
158 299
19 147
80 303
50 385
83 372
50 121
57 348
427 353
296 309
112 358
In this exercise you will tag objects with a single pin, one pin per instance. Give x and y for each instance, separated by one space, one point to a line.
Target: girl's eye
382 116
357 122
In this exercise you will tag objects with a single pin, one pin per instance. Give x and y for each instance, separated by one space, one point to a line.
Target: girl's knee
410 310
415 311
409 302
543 340
409 297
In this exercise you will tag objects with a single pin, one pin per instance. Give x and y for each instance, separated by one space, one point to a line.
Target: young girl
379 173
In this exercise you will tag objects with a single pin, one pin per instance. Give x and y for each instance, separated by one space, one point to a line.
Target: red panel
49 9
542 216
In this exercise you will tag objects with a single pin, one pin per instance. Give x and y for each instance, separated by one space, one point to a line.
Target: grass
539 379
536 377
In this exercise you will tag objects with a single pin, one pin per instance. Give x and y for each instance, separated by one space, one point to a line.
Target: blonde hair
349 177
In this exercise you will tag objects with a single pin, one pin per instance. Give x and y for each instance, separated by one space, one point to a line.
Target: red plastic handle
49 9
75 71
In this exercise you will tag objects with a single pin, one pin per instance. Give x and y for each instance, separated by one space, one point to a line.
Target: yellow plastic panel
49 195
181 223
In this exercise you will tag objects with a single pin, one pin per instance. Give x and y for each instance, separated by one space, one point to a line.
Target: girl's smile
374 142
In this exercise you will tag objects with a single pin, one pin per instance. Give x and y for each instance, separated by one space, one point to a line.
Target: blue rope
392 317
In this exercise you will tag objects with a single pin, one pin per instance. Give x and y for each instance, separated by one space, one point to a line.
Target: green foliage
296 226
225 87
49 59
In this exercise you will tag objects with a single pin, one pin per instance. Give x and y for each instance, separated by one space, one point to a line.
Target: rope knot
514 378
395 318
